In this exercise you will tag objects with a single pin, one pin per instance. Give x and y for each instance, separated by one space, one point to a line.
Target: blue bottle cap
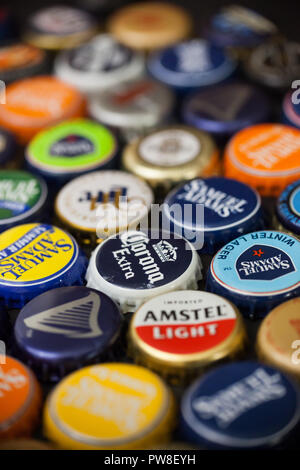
226 108
64 329
35 258
230 207
8 147
191 64
290 111
243 405
288 207
257 271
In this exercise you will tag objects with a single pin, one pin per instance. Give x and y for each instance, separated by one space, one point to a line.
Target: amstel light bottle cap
290 111
110 406
150 25
171 155
243 405
288 209
137 265
98 204
257 271
20 400
38 102
65 329
180 333
36 258
18 60
265 156
278 338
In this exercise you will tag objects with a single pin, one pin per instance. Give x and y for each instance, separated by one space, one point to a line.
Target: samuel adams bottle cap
35 258
230 209
96 205
257 271
20 400
290 111
180 333
266 156
20 60
278 337
243 405
65 329
135 265
111 406
288 209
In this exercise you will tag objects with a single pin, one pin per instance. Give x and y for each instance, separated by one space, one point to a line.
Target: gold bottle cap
181 333
150 25
170 155
278 339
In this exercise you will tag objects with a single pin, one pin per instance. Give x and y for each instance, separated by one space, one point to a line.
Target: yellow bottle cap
111 406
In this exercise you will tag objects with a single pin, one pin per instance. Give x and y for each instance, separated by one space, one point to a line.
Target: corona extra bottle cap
278 338
98 204
59 27
20 400
151 25
266 156
8 149
257 271
110 406
288 209
36 258
290 111
171 155
19 61
136 265
71 148
243 405
35 103
65 329
180 333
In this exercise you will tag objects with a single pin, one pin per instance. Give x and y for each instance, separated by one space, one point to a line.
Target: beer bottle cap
65 329
19 61
35 103
288 208
266 156
20 400
98 204
243 405
150 25
180 333
110 406
8 148
290 111
257 271
36 258
133 266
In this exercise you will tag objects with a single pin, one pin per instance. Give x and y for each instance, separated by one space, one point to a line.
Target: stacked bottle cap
181 333
136 265
288 209
111 406
36 258
65 329
212 211
8 149
257 271
243 405
291 109
18 60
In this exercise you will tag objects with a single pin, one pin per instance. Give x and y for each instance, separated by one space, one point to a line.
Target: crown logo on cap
165 251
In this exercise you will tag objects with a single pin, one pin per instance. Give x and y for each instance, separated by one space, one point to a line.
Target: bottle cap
133 107
8 149
36 258
290 111
180 333
226 108
23 197
98 65
24 444
230 208
20 400
191 64
150 25
257 271
288 208
65 329
59 27
38 102
243 405
70 148
96 205
111 406
19 61
172 154
265 156
136 265
278 337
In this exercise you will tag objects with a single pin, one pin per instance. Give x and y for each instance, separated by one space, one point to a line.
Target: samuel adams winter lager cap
257 271
288 209
110 406
243 405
